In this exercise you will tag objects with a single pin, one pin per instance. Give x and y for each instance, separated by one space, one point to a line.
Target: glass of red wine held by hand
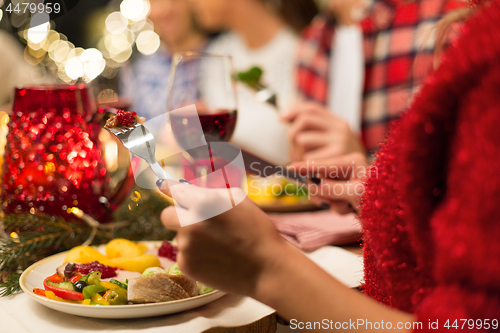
202 109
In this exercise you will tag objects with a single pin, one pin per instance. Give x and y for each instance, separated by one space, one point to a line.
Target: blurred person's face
213 14
172 20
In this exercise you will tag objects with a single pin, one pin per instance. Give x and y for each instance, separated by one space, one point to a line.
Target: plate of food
278 195
122 279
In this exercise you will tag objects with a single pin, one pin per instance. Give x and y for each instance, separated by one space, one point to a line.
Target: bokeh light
39 28
58 51
148 42
122 29
119 43
94 63
116 23
74 68
135 10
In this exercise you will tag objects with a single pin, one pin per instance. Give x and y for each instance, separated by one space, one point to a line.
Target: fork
140 142
264 94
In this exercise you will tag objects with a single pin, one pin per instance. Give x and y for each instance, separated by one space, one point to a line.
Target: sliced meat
186 283
154 289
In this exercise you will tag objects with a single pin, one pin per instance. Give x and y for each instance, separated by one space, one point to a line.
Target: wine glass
202 108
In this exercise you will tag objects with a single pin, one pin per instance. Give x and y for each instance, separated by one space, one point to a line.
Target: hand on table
231 251
336 182
315 133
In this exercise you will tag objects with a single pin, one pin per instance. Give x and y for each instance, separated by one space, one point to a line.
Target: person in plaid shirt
398 40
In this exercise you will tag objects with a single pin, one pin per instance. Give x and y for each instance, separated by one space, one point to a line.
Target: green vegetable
119 284
251 77
84 278
203 288
290 188
64 285
175 270
91 290
94 278
152 270
117 296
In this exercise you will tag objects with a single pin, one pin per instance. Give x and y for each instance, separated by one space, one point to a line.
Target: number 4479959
33 8
472 324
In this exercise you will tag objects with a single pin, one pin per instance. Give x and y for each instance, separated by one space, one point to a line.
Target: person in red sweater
430 215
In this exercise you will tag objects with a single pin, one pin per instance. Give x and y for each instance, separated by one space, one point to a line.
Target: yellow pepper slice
99 299
50 295
108 285
137 264
85 301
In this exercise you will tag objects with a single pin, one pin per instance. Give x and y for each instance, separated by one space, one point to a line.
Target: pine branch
40 236
11 286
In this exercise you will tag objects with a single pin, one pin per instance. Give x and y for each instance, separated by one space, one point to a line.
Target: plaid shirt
398 50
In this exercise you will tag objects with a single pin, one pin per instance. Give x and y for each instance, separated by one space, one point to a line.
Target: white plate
34 275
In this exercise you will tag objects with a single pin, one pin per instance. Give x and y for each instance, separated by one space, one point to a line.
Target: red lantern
53 156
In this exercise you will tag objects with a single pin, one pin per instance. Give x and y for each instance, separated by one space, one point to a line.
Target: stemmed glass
202 108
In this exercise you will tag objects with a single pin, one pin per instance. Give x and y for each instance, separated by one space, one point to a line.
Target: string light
123 29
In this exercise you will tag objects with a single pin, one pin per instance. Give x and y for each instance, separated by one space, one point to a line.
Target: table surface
269 323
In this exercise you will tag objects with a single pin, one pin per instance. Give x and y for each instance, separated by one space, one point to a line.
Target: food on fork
124 118
251 77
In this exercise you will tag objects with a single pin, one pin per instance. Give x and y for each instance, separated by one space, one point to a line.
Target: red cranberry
126 118
168 250
106 271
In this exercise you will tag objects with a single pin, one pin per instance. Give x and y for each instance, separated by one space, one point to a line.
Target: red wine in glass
217 126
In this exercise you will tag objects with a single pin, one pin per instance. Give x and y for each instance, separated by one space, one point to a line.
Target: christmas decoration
35 236
53 156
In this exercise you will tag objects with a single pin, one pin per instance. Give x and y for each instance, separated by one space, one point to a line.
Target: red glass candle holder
53 156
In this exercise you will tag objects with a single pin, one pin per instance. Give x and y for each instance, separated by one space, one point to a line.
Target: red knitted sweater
431 210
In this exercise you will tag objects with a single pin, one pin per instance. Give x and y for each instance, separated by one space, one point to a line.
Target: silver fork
264 94
140 142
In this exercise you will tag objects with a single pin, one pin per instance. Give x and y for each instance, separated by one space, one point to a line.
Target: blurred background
88 43
122 50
